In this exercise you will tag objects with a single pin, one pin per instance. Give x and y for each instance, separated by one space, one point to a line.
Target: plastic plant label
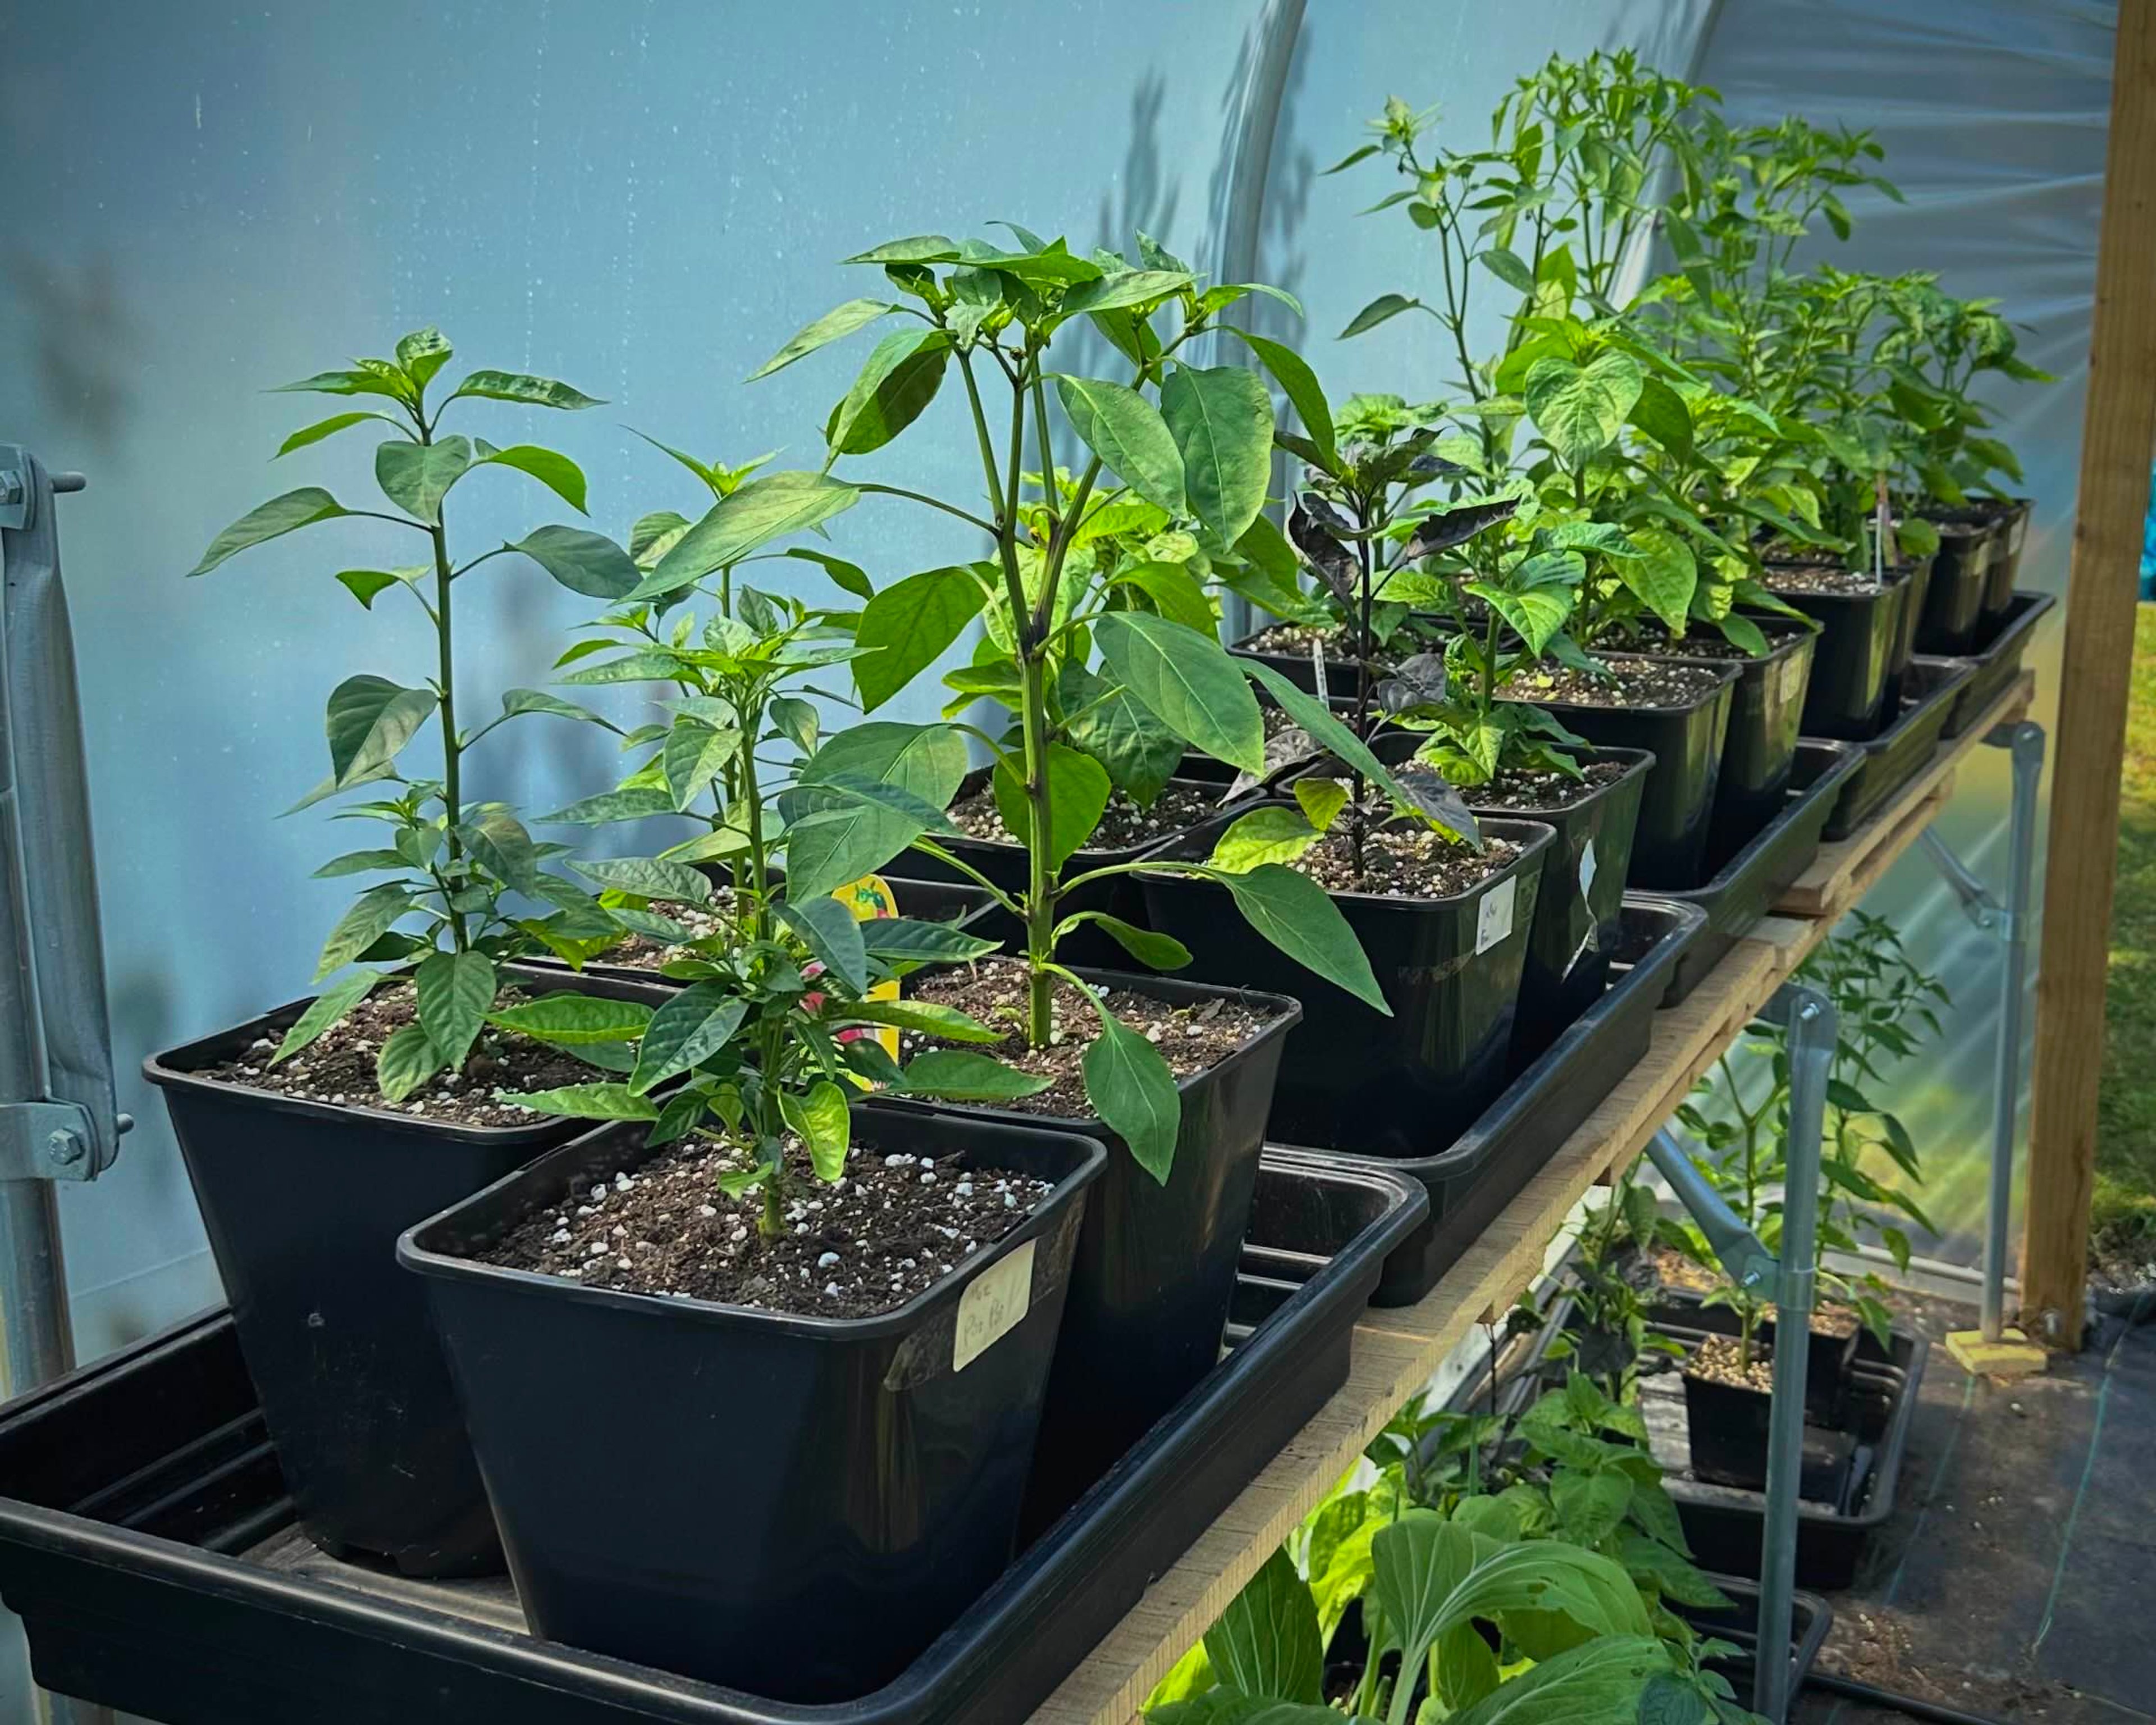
1493 916
1587 866
991 1306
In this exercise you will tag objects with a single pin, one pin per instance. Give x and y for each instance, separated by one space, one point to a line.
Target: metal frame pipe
2025 740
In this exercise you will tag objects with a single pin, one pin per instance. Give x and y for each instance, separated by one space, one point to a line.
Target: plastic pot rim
1730 668
424 1260
1080 859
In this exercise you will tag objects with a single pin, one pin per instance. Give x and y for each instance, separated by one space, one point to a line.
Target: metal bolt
65 1148
11 486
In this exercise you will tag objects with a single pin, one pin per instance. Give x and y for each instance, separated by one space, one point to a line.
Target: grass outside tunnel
2125 1216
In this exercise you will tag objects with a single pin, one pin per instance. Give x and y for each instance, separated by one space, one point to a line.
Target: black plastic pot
2003 644
2011 527
303 1202
1729 1426
1156 1264
1340 672
1006 865
1766 714
1859 633
1669 842
1915 580
1576 907
1744 885
1904 748
145 1538
1953 610
1449 968
793 1505
1490 1162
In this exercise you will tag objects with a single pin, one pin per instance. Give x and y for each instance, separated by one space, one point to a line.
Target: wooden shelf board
1396 1350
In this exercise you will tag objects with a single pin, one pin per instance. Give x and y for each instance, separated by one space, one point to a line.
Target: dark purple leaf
1335 564
1449 527
1430 792
1285 749
1419 682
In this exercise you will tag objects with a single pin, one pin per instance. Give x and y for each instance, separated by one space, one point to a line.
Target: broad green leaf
1129 435
589 563
647 877
517 702
1156 951
929 1017
797 721
360 862
499 842
1266 1644
370 718
911 623
386 380
958 1074
821 1119
1589 1506
1321 800
838 321
689 1028
762 511
571 1020
1133 1091
926 760
1227 1707
919 248
647 664
280 516
830 929
585 1102
1271 835
1078 791
1580 409
1663 576
694 756
326 1010
652 536
1126 287
1508 267
1175 593
906 940
521 386
1600 1683
1385 307
1652 1564
1188 681
1324 726
552 468
454 990
422 353
365 584
320 429
1305 393
1662 414
852 577
407 1059
1106 722
636 804
1296 915
901 378
1222 420
414 476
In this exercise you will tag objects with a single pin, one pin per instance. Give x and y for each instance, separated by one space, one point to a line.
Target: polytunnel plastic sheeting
1993 115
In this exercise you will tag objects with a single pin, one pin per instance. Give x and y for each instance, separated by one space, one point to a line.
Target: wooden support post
2118 431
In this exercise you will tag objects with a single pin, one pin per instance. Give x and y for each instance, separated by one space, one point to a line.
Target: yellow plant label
871 899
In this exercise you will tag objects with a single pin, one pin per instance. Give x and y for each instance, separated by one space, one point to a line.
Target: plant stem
452 746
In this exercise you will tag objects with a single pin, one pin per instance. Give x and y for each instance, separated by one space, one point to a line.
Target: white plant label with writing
991 1305
1587 866
1493 918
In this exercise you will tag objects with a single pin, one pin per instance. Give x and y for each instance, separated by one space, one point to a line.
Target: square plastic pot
1765 716
1904 748
1952 611
1916 582
1488 1165
303 1202
1578 906
1156 1264
1856 653
1676 806
790 1504
1449 968
2011 526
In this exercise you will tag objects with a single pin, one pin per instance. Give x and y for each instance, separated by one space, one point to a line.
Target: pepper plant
461 874
1100 676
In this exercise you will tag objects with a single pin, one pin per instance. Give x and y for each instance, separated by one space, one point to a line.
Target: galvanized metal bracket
47 1141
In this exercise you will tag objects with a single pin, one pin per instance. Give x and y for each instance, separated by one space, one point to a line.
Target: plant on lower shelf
460 868
1193 441
1476 1569
1608 1337
1887 1007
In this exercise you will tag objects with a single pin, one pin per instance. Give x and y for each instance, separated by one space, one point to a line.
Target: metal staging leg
2025 740
1809 1018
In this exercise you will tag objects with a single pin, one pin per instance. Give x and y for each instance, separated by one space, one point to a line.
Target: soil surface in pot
1673 1270
640 951
1703 644
1294 640
1720 1359
1190 1039
1530 791
889 1228
1401 860
1817 578
1123 823
337 1067
1629 683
